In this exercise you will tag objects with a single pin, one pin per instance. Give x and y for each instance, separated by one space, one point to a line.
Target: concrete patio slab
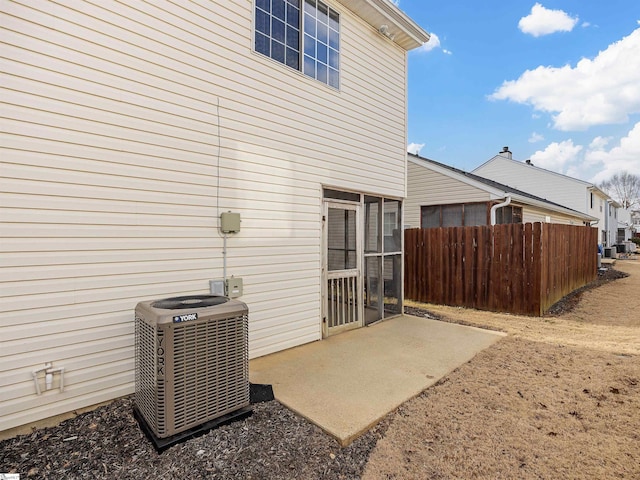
347 383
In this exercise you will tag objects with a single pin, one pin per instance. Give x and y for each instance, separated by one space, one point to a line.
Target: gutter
607 226
497 206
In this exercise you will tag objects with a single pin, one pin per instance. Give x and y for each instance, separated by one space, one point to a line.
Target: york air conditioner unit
192 363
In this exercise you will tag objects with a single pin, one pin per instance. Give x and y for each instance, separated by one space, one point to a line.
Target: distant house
129 129
571 192
625 225
439 195
635 222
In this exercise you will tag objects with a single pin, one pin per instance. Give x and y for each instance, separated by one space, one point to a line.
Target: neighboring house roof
387 18
527 164
498 189
593 188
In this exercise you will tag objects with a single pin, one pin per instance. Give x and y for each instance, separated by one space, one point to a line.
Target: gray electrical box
230 222
234 287
217 287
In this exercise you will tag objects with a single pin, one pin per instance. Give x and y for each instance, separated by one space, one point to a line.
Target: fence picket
514 268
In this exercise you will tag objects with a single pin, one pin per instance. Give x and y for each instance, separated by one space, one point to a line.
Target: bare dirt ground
558 398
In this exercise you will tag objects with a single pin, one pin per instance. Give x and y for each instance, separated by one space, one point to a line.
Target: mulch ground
107 443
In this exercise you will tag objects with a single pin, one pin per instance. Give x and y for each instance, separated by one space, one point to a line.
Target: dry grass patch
520 409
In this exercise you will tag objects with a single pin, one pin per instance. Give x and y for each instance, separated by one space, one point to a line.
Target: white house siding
561 189
625 224
128 127
599 210
557 188
427 187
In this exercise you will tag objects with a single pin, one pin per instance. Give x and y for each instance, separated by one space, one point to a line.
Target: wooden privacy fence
515 268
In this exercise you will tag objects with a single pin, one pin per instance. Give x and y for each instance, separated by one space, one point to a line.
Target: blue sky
556 81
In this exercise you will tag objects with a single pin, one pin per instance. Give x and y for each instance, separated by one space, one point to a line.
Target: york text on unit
185 318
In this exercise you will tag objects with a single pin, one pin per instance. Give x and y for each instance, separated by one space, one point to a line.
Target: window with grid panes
302 34
456 215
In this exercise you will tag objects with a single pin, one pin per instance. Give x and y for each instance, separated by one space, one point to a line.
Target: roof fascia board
401 28
595 189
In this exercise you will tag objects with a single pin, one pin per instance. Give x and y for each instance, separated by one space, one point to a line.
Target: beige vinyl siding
428 187
533 214
127 130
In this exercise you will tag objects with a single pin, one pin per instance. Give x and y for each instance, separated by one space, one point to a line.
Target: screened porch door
342 268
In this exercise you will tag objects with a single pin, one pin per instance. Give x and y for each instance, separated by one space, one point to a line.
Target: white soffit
404 31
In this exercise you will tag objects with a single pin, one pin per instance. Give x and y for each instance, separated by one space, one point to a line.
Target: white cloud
585 24
535 138
432 44
415 148
600 91
624 156
557 156
599 143
595 163
543 21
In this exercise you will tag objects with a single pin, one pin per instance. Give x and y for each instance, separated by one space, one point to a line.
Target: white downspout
606 223
497 206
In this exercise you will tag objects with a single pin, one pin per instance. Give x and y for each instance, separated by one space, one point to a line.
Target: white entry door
342 269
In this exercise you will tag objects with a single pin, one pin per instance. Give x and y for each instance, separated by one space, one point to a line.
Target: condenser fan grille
211 369
189 302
